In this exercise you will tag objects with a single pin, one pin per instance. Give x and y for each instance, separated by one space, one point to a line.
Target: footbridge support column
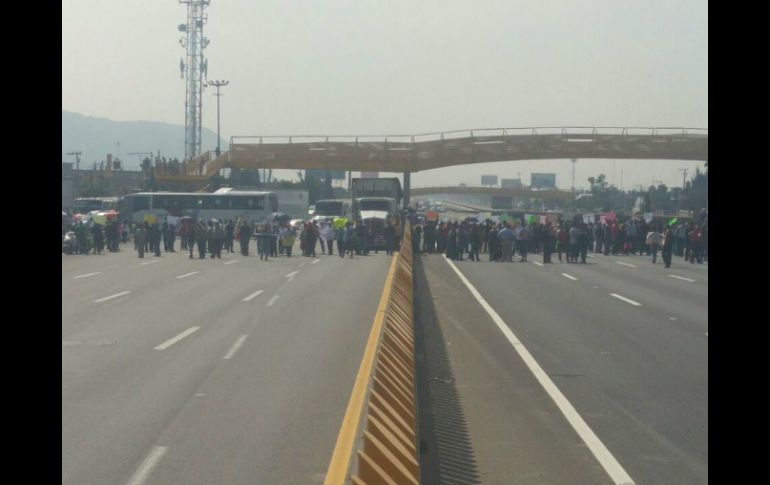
407 187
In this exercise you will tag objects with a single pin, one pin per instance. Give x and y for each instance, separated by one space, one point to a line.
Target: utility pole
218 84
574 162
684 177
77 159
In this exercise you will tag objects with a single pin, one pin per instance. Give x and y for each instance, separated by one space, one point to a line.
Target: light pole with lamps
218 84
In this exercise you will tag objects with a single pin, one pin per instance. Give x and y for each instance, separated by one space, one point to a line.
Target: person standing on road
505 236
652 241
561 241
217 240
572 253
493 245
201 238
523 242
582 243
244 234
140 238
191 236
668 243
548 240
339 234
475 239
390 235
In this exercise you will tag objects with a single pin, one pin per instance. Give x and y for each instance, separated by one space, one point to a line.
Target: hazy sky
384 67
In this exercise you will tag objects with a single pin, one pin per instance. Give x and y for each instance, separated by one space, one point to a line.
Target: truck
375 201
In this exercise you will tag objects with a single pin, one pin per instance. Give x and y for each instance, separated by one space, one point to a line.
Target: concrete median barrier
377 443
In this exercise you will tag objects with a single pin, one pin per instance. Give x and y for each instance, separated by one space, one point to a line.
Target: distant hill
96 137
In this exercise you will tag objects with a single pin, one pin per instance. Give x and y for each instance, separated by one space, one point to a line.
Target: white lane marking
315 261
253 295
673 319
290 279
86 275
626 264
291 274
170 342
231 262
569 276
147 465
112 296
602 454
537 263
682 278
590 255
150 262
199 394
625 299
235 347
272 300
302 264
186 275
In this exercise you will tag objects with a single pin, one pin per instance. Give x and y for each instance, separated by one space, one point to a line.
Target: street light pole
218 84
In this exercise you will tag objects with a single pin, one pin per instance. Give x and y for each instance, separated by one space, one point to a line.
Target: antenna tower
194 71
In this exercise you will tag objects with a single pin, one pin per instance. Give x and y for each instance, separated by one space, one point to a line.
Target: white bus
84 205
254 207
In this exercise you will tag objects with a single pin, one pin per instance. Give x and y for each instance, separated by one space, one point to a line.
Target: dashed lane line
253 295
172 341
569 276
186 275
150 262
144 470
626 264
292 274
625 299
235 347
682 278
86 275
272 300
116 295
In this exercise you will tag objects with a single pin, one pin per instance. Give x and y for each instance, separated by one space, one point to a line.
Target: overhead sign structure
543 181
323 174
511 183
489 180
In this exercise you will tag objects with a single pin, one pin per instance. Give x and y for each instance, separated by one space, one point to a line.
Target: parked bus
84 205
251 206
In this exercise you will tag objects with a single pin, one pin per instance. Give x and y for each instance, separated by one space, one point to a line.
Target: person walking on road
217 240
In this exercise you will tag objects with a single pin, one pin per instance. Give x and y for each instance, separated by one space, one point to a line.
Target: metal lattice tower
194 71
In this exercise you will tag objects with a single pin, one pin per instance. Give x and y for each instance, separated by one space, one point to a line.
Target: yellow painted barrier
380 423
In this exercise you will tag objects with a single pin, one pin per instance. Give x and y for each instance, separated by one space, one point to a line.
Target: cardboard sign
150 218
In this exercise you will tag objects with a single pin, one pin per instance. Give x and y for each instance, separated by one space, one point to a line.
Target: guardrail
380 424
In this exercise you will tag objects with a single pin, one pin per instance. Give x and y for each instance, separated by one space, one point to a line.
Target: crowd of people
501 241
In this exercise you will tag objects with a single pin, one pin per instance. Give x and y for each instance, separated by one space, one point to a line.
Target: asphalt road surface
230 371
625 342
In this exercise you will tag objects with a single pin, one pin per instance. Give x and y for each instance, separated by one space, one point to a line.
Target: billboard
511 183
543 181
321 174
489 180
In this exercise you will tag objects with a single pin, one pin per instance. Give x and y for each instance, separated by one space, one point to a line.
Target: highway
623 340
180 371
